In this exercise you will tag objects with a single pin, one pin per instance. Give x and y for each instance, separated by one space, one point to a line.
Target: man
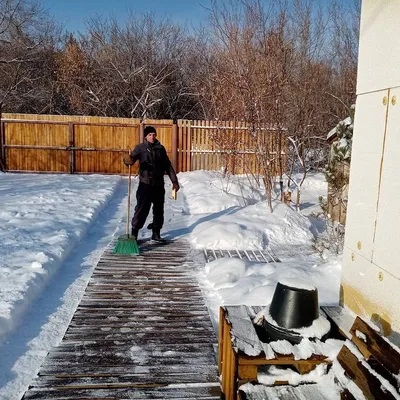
153 163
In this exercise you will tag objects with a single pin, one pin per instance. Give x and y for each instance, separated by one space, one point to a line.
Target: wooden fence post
175 145
141 131
72 166
2 143
189 147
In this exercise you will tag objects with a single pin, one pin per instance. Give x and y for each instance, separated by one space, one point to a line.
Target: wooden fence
79 144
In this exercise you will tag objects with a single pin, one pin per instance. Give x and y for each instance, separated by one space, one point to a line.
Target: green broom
127 244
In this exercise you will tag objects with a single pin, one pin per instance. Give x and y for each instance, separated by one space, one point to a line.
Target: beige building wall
371 266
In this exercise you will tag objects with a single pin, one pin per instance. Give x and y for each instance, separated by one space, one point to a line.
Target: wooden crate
242 352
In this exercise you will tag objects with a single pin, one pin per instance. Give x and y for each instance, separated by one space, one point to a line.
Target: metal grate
262 256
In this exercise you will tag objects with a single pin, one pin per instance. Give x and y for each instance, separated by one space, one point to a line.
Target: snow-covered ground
54 228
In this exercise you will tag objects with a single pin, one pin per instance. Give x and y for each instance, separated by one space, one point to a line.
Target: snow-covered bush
337 175
339 160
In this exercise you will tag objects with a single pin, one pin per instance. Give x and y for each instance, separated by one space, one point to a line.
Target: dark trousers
146 195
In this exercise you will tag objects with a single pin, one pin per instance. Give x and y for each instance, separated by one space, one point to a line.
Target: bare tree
28 38
132 70
247 76
274 66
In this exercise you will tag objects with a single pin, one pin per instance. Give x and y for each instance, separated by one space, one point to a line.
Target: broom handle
129 201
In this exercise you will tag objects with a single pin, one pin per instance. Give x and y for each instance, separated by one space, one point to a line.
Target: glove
128 160
175 186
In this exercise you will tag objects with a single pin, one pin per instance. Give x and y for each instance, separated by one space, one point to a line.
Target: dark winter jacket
153 163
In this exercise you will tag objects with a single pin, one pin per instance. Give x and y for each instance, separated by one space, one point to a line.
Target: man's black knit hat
149 129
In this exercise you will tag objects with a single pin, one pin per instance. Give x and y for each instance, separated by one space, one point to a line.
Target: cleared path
141 331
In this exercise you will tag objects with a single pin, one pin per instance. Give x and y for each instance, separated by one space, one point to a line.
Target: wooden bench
242 350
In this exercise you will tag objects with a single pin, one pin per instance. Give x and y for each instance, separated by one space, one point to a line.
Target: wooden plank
97 346
138 370
189 166
301 392
371 386
131 355
140 340
155 267
154 329
156 262
170 291
151 285
150 325
169 299
3 161
281 360
247 372
179 392
140 279
128 360
147 313
157 251
137 261
72 145
133 273
128 379
221 337
121 296
97 292
371 342
129 306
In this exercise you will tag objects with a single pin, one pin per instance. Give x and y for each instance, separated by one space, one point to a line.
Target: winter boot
135 233
156 236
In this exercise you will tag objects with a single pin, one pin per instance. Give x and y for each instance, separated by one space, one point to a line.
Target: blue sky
73 13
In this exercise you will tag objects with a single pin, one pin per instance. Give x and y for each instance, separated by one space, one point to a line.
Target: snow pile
41 219
54 228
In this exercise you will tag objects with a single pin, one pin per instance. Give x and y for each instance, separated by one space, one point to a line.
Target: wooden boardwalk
141 331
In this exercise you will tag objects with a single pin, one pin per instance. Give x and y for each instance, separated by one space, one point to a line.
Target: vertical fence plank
194 146
175 146
213 155
201 152
200 145
188 144
183 145
3 163
72 145
180 143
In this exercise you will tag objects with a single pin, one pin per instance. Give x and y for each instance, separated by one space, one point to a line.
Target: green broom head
126 244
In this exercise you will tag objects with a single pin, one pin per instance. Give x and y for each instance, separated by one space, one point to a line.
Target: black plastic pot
294 308
276 333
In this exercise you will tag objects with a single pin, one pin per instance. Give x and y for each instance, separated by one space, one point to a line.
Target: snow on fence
82 144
